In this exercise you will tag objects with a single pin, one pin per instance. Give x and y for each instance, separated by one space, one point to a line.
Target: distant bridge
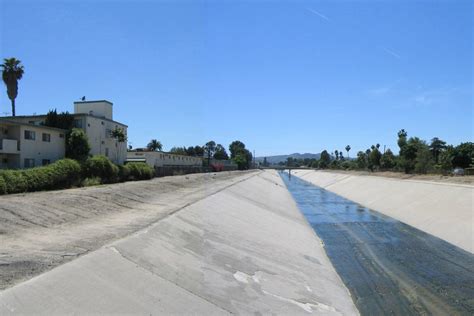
286 168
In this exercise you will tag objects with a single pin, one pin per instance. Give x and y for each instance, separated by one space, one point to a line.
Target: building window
30 135
106 152
61 135
29 163
46 137
46 162
5 160
78 123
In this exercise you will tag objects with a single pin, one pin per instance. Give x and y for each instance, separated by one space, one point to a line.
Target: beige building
24 145
94 117
163 159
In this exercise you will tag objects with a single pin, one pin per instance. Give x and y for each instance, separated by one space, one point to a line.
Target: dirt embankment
39 231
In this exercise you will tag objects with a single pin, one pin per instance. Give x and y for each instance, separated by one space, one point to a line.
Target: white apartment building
94 117
24 145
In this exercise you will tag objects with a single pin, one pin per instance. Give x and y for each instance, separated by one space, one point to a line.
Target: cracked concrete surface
245 249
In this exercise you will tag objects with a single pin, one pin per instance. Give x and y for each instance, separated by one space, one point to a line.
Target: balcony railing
9 146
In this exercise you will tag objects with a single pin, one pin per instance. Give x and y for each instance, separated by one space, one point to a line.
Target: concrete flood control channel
388 266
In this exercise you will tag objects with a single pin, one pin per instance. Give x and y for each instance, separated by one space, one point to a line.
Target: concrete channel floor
390 268
244 250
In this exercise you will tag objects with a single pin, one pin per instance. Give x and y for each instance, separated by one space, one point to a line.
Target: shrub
101 166
3 186
124 173
88 182
61 174
14 181
64 173
140 171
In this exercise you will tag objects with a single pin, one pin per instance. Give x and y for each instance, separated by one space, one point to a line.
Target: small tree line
211 150
415 156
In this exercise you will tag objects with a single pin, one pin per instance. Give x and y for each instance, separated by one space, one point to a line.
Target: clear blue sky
283 77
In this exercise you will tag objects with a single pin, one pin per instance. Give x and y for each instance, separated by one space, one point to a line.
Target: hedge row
61 174
101 167
67 173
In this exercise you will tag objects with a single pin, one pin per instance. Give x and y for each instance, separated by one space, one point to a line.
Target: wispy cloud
380 91
383 90
322 16
391 52
406 97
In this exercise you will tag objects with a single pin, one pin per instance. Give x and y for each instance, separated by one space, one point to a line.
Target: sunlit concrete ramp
244 250
444 210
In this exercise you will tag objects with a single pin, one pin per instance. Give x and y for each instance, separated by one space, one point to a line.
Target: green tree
436 147
445 162
120 137
374 158
408 151
199 150
154 145
11 73
324 160
77 145
402 138
424 160
209 150
179 151
348 148
387 161
463 155
63 120
241 160
220 153
236 147
411 149
361 160
265 162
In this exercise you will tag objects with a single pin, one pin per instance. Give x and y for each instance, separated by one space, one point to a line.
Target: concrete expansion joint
139 266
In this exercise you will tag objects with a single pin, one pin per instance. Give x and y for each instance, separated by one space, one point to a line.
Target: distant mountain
279 158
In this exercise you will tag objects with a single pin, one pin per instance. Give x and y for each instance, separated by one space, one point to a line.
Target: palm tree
154 145
348 147
12 72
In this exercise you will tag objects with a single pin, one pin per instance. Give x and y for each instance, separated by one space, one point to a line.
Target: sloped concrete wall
441 209
244 250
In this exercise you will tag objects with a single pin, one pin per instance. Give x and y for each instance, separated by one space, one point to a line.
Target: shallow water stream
388 266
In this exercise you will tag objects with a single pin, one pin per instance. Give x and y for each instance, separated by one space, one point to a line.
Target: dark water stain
388 266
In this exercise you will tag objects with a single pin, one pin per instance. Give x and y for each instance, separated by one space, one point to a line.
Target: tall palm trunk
13 107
